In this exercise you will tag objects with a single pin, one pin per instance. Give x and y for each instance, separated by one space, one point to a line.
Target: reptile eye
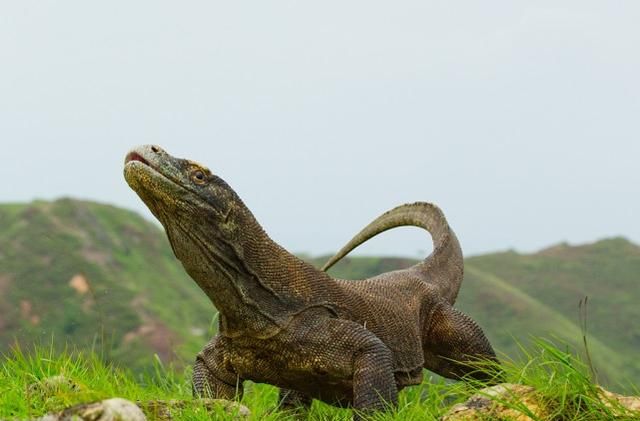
199 177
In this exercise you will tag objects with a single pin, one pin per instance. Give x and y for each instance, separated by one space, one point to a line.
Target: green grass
555 324
563 382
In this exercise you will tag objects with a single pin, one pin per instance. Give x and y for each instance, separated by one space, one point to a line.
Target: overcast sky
520 119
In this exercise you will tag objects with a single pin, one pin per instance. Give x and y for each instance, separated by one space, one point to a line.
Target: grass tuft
47 380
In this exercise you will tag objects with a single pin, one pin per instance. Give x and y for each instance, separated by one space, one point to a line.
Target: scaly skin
285 323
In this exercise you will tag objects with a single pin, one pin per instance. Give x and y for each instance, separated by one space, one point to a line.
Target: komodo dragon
286 323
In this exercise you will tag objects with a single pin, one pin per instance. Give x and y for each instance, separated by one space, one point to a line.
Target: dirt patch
5 281
157 336
80 283
26 311
152 332
25 308
96 256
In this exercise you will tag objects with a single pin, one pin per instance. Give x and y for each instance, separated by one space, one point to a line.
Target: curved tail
443 267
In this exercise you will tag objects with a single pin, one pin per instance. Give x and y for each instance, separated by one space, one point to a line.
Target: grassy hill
97 276
89 274
608 272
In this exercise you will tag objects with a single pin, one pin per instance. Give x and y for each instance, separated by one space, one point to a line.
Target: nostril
155 149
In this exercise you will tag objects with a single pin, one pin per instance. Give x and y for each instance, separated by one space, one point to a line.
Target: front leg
213 376
349 355
374 385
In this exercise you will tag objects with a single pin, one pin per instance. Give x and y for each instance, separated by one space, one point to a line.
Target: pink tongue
134 156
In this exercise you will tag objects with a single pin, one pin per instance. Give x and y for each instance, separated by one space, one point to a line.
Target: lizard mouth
134 156
135 162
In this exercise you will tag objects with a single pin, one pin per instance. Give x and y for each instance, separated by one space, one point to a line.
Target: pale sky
520 119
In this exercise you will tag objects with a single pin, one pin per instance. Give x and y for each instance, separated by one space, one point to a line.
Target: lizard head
179 192
216 238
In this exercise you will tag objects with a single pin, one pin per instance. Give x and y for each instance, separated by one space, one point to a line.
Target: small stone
619 404
115 409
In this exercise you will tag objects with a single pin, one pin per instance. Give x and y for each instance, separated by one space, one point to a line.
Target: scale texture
286 323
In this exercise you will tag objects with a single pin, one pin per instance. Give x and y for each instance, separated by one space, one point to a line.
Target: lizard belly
294 368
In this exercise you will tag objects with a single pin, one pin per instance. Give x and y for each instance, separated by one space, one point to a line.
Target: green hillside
93 275
89 274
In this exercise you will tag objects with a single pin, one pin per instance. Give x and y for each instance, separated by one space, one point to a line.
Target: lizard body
284 322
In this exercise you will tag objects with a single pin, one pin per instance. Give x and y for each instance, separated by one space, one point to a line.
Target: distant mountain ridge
94 275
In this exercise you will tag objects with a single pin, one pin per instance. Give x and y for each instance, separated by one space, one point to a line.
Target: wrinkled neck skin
256 285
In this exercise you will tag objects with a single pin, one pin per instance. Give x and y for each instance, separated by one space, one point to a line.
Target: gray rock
502 401
620 405
523 403
115 409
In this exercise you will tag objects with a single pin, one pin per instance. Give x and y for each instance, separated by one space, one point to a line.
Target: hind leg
452 342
